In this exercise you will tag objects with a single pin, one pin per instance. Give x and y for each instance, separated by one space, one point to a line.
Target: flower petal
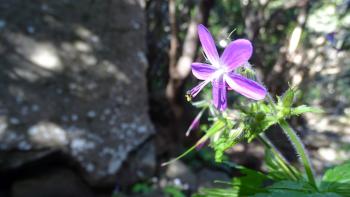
208 44
219 93
236 53
202 71
245 86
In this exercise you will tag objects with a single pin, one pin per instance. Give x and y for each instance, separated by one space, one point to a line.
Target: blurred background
92 93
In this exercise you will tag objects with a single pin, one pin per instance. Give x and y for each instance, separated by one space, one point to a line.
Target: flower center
220 71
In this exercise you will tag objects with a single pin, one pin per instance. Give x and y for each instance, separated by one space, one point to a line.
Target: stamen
194 91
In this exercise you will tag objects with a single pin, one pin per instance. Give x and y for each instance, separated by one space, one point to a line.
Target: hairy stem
296 142
299 147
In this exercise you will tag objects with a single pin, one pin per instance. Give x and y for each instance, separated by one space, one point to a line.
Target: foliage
281 178
255 118
173 191
277 170
141 188
248 122
335 183
337 180
323 28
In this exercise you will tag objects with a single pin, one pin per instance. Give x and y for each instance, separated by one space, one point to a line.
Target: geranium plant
249 121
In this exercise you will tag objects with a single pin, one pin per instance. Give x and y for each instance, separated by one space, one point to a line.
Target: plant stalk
296 142
299 147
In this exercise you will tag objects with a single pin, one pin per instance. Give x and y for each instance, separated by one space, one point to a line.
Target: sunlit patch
83 32
297 78
327 154
86 34
183 67
245 2
82 46
331 71
294 39
322 20
48 134
88 60
223 43
296 58
46 57
112 69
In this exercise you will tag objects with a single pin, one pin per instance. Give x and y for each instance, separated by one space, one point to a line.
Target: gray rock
179 171
140 166
72 79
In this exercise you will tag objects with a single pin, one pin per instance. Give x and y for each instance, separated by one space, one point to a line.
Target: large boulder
72 79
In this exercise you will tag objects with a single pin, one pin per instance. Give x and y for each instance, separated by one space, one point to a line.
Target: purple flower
221 72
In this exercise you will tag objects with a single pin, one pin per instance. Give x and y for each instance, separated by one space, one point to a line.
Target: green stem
279 157
299 147
296 141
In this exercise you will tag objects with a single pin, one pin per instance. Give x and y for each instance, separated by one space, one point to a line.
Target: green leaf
258 127
174 191
288 97
294 189
217 192
141 188
251 183
304 109
337 180
295 194
298 186
264 108
226 139
217 126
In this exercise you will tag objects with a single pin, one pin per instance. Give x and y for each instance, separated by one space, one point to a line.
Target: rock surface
179 170
72 79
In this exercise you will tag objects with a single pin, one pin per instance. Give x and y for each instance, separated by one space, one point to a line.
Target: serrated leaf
337 180
288 98
304 109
